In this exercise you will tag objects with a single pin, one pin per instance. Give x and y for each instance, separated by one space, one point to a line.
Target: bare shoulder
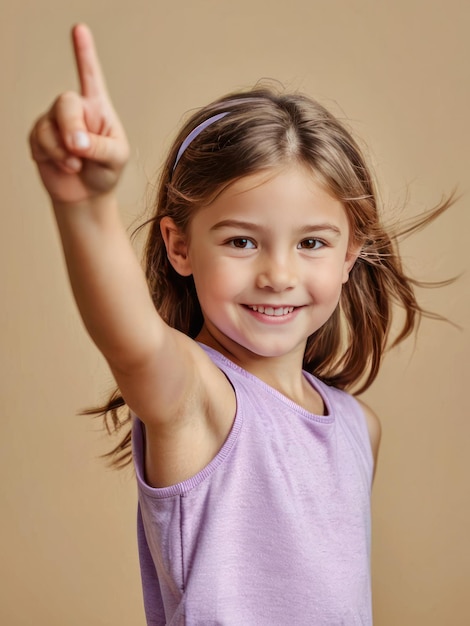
203 411
374 427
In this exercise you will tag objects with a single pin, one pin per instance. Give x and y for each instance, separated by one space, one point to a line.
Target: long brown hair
264 129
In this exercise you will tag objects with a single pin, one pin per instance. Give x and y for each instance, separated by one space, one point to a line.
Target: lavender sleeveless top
275 531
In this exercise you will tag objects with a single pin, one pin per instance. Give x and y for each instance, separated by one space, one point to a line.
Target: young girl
270 282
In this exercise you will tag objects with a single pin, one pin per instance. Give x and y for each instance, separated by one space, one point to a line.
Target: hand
79 145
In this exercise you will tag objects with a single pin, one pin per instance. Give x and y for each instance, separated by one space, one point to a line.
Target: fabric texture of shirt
275 531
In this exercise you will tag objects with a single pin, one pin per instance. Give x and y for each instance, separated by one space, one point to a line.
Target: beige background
399 71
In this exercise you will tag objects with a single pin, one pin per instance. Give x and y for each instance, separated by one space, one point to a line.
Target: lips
272 311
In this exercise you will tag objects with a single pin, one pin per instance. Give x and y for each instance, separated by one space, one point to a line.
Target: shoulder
374 427
199 418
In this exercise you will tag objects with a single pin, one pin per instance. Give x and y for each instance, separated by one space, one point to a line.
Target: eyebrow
324 226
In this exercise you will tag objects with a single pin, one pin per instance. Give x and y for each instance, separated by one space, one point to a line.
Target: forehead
294 193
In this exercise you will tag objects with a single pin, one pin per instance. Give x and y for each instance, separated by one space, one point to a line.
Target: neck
283 373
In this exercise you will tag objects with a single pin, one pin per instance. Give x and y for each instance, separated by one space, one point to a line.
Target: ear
351 257
176 246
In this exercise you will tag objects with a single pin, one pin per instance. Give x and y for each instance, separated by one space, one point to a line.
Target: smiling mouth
272 311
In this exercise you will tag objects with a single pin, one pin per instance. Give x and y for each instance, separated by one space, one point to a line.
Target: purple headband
195 132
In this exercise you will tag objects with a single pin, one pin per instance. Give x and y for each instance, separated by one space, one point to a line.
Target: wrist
99 203
98 209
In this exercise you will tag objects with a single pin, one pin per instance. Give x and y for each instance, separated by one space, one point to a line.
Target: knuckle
65 98
43 131
45 140
67 108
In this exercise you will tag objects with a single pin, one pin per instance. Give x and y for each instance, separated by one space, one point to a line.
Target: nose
277 273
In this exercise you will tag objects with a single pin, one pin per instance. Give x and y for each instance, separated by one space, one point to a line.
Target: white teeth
269 310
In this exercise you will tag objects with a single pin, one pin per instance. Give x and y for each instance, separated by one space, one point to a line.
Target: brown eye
242 242
311 244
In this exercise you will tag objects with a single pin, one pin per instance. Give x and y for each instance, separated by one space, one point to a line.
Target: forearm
107 281
80 149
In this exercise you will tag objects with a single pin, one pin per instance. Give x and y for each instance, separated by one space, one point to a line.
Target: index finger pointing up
88 66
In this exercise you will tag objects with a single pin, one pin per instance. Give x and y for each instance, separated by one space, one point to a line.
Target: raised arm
80 149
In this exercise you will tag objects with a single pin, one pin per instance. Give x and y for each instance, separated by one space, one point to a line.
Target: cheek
328 280
215 280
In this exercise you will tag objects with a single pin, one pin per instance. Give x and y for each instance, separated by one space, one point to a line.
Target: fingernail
81 140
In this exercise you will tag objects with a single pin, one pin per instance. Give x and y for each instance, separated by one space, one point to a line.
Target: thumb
87 135
109 150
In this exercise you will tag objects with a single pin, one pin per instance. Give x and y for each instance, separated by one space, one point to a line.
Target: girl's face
269 257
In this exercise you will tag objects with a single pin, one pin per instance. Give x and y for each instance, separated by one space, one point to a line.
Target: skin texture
276 240
293 251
